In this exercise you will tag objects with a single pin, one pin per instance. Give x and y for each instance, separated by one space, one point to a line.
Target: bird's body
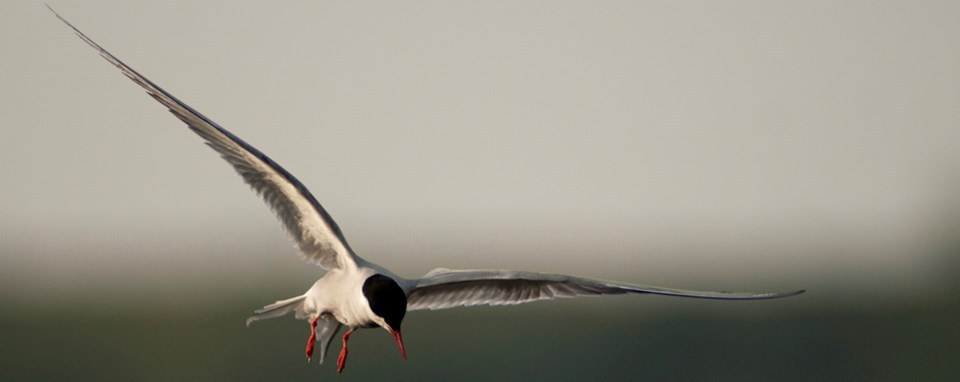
339 295
357 293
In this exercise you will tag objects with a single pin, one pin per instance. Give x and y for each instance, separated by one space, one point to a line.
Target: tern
356 293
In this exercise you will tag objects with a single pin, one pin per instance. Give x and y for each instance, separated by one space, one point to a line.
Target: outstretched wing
444 288
313 230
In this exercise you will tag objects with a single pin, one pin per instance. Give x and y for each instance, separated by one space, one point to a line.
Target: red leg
313 338
342 360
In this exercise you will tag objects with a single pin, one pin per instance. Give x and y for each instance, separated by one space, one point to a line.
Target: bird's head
389 303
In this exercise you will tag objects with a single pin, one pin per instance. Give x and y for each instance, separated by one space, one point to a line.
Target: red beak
396 336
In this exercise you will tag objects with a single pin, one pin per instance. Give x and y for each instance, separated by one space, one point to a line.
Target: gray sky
694 144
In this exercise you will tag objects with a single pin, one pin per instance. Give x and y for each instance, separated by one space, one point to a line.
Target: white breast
340 294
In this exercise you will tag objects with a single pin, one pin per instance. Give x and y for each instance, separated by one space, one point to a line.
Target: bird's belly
343 301
353 316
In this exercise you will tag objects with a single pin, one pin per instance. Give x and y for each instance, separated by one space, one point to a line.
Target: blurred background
737 145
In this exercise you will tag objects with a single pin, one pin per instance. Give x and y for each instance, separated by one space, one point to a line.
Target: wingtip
788 294
55 12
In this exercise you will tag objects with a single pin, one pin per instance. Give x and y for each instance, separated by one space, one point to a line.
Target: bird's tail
278 309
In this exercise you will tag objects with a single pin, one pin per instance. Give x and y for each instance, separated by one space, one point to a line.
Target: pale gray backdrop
745 145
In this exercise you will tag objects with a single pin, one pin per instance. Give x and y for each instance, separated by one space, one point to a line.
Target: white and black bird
355 292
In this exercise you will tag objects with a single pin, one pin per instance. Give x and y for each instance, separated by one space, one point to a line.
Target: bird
354 292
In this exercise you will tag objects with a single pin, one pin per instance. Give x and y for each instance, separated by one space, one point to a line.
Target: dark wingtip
788 294
55 13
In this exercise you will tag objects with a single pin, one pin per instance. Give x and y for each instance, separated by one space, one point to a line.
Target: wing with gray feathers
444 288
312 229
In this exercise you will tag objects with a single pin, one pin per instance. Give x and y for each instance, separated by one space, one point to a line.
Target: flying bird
356 293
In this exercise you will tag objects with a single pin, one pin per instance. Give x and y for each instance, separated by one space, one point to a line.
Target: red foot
313 338
342 360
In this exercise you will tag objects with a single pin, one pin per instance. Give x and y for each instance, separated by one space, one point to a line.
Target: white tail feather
278 309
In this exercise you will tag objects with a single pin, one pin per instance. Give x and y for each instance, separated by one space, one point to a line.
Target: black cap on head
386 299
